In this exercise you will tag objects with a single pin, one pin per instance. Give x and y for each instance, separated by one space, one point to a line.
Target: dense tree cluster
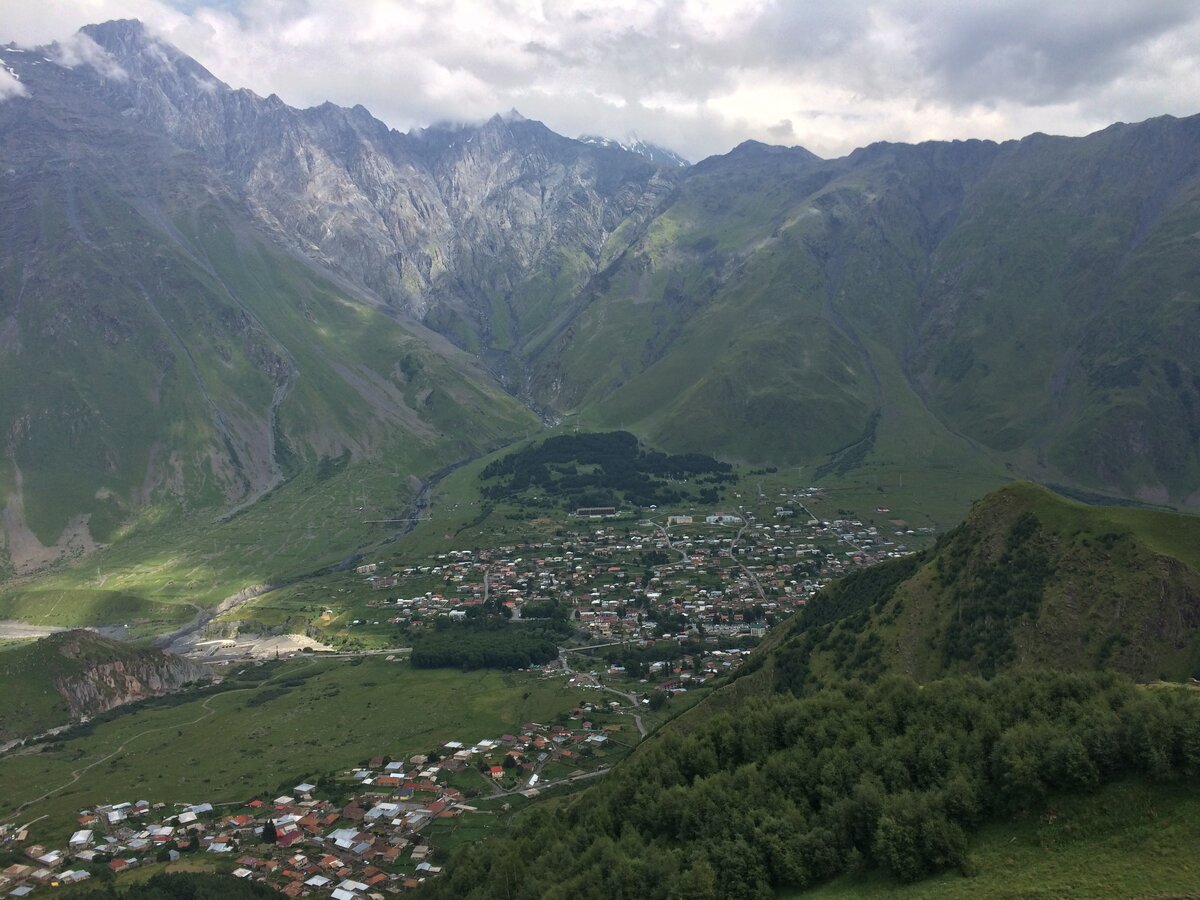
788 791
607 469
184 886
837 621
994 597
492 643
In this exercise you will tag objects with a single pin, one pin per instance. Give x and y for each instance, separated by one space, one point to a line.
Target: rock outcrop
98 674
458 225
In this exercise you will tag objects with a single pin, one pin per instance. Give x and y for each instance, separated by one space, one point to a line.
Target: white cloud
10 85
695 75
81 50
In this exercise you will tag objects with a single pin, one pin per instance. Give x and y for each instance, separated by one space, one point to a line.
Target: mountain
474 229
208 293
1022 306
213 291
1029 580
635 144
74 674
176 344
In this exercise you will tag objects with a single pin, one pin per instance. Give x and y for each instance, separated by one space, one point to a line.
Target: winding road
631 699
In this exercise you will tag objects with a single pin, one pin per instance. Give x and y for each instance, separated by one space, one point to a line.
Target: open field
1126 840
301 720
163 572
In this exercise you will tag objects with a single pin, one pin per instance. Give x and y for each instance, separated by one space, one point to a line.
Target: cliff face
470 228
99 674
72 674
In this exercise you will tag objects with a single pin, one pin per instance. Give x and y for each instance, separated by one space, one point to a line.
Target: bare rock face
449 223
97 674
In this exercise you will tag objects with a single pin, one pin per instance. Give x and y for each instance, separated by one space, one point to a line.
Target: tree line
788 791
487 644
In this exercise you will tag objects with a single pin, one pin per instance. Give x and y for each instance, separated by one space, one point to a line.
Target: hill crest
1029 580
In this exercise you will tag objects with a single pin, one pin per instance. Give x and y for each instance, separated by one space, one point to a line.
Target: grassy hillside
1021 307
1029 580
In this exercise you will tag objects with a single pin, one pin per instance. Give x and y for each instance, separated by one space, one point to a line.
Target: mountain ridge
856 315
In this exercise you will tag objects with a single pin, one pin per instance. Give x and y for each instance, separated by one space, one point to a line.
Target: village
655 606
721 575
378 829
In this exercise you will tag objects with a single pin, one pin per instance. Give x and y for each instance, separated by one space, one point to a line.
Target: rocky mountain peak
144 55
402 215
634 144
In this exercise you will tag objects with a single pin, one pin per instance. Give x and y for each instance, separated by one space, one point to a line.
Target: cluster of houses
372 841
686 670
711 578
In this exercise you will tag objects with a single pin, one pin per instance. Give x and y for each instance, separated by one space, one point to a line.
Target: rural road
667 537
628 698
632 700
19 631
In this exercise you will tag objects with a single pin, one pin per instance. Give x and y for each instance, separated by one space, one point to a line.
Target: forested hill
1028 580
605 469
828 756
783 792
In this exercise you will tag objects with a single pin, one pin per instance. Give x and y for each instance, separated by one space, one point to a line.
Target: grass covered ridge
1029 580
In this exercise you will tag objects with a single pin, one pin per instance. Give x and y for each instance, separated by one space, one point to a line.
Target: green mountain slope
1025 304
175 362
1029 580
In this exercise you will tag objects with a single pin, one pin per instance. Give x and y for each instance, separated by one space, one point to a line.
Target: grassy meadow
271 726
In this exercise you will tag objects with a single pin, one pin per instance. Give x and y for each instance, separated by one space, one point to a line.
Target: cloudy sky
698 76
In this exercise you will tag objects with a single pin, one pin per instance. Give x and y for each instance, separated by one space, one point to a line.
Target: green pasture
259 737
